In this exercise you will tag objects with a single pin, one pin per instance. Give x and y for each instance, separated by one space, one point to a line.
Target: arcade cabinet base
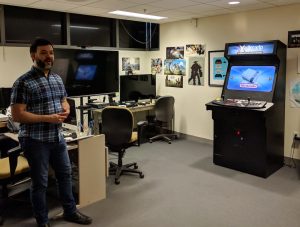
247 139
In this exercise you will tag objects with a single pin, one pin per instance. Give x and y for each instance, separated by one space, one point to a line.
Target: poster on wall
156 66
175 52
196 69
129 65
174 67
174 81
195 49
295 93
293 39
217 68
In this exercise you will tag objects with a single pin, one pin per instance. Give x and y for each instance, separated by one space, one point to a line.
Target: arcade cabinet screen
86 72
251 78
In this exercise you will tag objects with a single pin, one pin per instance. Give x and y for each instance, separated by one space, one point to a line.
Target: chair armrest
13 155
15 151
142 123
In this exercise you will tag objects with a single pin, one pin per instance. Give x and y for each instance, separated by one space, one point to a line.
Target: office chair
164 117
117 125
14 171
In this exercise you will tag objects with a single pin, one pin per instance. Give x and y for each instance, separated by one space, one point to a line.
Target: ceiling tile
17 2
281 2
78 2
174 4
148 9
112 4
174 13
88 10
199 8
204 1
141 1
48 4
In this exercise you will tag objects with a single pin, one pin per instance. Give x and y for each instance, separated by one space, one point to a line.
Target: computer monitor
137 87
4 98
251 78
71 121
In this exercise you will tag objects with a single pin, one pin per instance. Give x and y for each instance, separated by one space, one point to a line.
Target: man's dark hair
39 42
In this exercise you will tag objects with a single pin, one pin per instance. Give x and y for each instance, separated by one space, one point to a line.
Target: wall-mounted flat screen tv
87 72
251 78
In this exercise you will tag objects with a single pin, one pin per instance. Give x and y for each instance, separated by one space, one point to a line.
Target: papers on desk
3 117
79 137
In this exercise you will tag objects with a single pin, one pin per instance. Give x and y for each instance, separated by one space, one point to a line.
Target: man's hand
57 118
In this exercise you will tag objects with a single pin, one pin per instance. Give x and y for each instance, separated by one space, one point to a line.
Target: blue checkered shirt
42 95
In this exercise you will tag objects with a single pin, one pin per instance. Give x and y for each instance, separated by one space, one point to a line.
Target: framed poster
293 39
217 68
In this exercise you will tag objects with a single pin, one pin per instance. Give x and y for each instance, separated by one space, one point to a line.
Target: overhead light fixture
233 3
139 15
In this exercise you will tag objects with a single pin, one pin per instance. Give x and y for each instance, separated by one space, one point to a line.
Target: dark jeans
39 156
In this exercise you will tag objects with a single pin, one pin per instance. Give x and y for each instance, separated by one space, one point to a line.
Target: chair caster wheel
169 142
150 141
142 175
117 181
135 167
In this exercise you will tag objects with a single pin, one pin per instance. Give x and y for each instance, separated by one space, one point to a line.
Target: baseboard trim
194 138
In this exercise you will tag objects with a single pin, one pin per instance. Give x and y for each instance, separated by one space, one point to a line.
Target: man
38 102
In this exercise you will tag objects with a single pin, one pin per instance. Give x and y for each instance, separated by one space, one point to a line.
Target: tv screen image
251 78
86 72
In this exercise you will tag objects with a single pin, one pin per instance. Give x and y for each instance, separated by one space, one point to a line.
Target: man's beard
43 65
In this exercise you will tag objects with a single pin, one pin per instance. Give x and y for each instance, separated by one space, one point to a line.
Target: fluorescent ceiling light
140 15
233 3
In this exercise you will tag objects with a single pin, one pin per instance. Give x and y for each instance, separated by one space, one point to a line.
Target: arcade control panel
240 103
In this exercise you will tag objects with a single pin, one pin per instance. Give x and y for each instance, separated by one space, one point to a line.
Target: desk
135 110
88 155
3 124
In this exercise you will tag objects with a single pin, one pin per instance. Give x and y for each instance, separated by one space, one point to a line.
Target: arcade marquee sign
251 48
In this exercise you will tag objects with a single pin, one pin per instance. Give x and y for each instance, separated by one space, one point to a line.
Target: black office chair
164 117
117 125
14 171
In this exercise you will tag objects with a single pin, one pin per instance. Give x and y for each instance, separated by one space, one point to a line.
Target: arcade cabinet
249 116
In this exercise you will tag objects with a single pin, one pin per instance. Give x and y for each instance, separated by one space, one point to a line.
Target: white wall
14 61
191 115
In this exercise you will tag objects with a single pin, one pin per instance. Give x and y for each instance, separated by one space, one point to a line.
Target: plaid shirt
42 95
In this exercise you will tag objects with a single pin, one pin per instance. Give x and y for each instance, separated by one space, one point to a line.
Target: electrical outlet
296 135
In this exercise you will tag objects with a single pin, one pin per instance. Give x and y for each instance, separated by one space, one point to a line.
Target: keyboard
98 105
241 103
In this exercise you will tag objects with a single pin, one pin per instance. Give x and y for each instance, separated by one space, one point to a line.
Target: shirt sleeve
19 94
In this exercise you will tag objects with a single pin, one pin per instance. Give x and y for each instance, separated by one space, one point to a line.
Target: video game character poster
196 69
175 52
195 49
174 67
174 81
156 66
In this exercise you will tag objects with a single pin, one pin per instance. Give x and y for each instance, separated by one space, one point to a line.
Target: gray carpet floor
183 188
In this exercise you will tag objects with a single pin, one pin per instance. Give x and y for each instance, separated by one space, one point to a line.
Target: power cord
292 163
